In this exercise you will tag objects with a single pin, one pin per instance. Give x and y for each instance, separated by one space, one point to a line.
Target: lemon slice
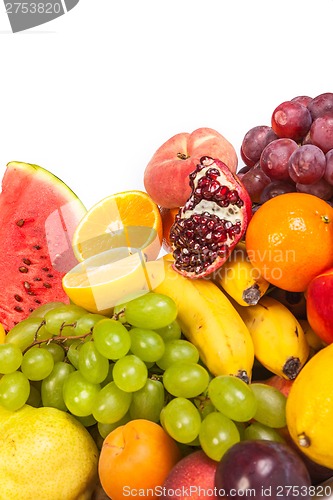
102 280
127 219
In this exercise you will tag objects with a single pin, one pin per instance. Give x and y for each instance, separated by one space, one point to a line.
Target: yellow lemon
100 282
127 219
46 454
2 334
309 409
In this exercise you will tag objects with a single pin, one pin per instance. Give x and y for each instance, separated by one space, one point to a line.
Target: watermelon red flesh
38 216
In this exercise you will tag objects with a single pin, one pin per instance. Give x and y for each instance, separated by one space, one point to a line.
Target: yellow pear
46 454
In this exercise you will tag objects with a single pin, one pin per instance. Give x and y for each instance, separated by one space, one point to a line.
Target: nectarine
135 460
166 177
319 305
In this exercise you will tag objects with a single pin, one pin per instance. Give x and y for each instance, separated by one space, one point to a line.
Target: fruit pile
292 154
204 369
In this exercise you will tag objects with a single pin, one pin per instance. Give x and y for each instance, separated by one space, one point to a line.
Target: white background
92 94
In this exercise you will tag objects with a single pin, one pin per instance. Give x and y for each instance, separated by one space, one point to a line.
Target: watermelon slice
38 216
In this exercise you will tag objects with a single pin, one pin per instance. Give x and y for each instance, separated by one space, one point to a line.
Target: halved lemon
101 281
127 219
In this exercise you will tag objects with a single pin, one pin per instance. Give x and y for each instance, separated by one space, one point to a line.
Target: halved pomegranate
212 221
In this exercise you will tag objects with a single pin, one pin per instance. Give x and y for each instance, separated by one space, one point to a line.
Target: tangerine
290 240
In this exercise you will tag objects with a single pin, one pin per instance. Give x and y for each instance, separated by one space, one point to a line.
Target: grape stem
60 339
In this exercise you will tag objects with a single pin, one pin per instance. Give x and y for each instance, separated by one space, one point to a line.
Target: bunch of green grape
136 364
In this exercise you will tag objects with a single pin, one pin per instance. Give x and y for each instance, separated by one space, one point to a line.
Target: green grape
119 308
37 363
57 318
181 420
74 351
87 421
14 390
271 405
147 403
79 394
185 379
40 311
178 350
217 434
52 386
111 404
86 323
26 332
204 405
109 377
10 358
57 351
152 310
111 338
34 398
170 332
232 397
146 344
130 373
93 366
256 430
105 429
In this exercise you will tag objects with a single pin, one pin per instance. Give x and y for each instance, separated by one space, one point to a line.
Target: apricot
319 305
166 177
135 460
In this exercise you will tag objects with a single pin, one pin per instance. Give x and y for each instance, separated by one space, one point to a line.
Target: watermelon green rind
38 216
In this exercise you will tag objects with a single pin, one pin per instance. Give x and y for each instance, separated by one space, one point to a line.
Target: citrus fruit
127 219
100 281
2 334
290 239
48 444
135 459
168 218
309 409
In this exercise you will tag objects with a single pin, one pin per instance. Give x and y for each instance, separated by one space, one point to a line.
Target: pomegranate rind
211 222
39 214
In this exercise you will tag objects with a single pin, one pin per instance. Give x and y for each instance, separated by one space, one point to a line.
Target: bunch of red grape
294 154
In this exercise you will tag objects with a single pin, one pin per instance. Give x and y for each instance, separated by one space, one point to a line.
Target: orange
129 219
135 460
168 218
290 240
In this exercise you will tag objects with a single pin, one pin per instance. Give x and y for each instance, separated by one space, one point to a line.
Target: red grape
262 469
291 119
321 105
254 182
302 99
328 175
275 188
307 164
275 156
254 142
321 132
322 189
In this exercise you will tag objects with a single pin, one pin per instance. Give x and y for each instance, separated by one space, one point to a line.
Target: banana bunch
279 341
240 279
208 320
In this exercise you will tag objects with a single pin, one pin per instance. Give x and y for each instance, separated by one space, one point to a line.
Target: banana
279 341
208 320
240 279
